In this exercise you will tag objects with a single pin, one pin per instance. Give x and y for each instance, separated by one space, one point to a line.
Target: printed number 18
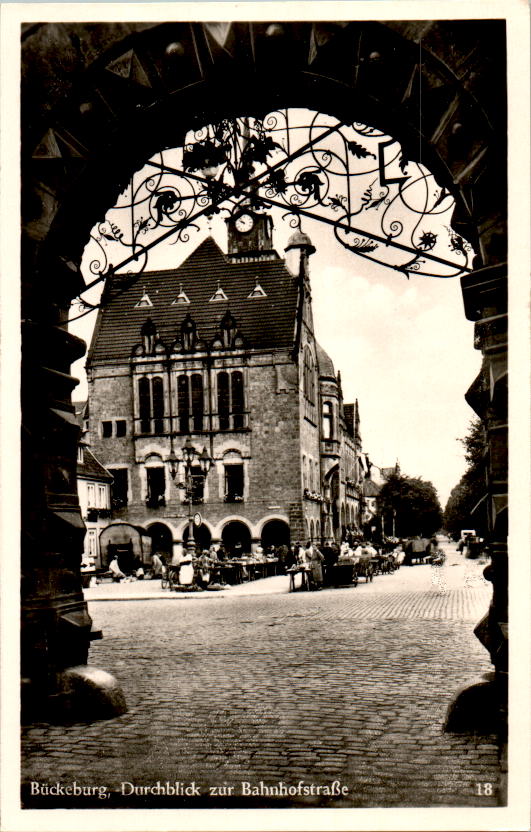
484 789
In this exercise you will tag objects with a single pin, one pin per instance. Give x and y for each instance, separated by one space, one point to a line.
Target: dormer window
219 294
148 333
188 333
182 297
228 329
144 301
257 292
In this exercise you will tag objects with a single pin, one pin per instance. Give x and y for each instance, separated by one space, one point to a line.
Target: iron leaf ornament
293 164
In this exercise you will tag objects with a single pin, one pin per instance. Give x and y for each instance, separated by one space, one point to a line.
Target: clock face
244 223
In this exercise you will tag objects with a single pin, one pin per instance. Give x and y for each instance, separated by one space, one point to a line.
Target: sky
402 344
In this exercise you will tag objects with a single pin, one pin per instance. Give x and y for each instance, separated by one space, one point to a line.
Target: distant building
94 491
222 350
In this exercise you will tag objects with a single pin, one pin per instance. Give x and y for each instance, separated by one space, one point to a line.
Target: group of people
136 574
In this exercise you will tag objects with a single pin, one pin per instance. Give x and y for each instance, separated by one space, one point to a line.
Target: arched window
309 375
183 396
237 400
151 404
231 400
144 404
157 386
304 480
223 401
197 401
328 420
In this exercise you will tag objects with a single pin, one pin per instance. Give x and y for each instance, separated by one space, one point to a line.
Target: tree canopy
470 488
415 505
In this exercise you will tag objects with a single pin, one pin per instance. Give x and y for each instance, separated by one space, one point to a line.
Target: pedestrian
315 561
116 572
156 566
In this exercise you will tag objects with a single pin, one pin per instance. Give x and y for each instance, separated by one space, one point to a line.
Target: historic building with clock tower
222 350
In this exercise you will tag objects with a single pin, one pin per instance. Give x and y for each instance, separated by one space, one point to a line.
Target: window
102 496
144 405
106 429
156 487
121 427
190 402
309 375
231 401
91 543
91 495
197 401
198 484
182 403
79 453
233 483
328 421
223 401
119 487
151 404
237 400
158 404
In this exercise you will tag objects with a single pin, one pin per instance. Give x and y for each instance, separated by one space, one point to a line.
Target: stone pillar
56 627
483 707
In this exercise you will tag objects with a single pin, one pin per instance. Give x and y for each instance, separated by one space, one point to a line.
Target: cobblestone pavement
348 685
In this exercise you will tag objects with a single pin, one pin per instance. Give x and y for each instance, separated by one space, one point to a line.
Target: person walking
315 560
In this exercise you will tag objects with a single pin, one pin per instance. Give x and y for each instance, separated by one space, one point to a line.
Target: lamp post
190 455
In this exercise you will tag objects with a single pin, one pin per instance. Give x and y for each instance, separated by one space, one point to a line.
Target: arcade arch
236 537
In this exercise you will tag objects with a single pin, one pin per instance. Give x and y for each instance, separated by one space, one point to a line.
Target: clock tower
250 236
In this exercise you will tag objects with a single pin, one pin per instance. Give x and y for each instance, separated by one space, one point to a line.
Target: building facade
223 350
94 492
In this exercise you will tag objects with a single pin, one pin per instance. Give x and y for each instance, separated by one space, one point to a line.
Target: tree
414 504
465 496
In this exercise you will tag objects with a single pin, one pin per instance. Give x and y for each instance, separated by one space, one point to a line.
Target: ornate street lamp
190 455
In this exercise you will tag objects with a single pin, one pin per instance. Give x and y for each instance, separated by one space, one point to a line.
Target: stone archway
275 533
162 540
88 127
236 538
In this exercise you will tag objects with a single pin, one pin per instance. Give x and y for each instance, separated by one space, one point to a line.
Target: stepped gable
91 469
265 322
326 365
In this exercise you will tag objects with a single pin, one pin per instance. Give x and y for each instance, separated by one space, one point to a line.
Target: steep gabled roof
91 469
265 322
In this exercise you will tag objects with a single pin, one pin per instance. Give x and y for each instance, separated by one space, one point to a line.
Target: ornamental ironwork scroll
294 164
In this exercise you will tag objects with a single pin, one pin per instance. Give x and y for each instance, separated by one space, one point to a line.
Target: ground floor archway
161 540
236 538
275 533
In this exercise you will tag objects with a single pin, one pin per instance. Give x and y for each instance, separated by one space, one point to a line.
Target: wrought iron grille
297 164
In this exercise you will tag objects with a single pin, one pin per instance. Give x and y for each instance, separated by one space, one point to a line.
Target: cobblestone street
348 685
